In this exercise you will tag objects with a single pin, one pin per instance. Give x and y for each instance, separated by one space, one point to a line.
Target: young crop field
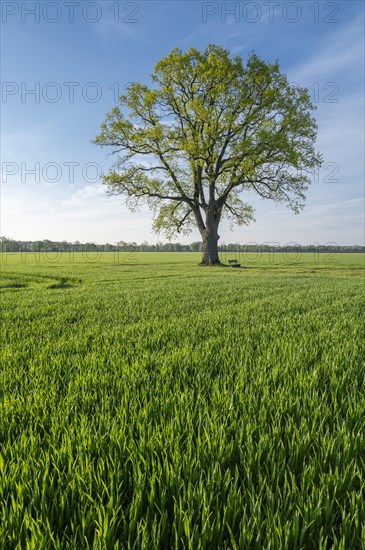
149 403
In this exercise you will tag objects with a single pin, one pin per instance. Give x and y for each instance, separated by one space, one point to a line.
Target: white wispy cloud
86 193
342 50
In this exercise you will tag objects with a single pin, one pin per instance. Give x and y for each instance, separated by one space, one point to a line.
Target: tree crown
207 130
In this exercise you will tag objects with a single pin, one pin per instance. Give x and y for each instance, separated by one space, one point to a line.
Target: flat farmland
148 402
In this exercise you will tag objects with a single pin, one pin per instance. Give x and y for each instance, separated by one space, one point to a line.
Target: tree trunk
210 246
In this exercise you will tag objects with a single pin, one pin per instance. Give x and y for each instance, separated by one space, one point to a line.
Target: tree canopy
207 130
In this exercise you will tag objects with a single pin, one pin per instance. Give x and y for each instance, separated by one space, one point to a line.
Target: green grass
146 402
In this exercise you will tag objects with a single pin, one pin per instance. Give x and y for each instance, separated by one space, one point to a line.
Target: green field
147 402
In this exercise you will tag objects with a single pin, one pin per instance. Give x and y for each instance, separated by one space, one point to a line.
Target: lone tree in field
208 130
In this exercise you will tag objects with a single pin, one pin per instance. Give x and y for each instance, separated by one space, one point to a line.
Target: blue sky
77 55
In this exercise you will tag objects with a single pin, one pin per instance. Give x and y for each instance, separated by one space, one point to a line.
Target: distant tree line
11 245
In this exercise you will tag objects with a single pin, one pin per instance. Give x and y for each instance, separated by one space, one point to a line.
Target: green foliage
208 131
156 404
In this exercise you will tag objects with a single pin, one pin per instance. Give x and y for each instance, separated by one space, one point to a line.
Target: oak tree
208 130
